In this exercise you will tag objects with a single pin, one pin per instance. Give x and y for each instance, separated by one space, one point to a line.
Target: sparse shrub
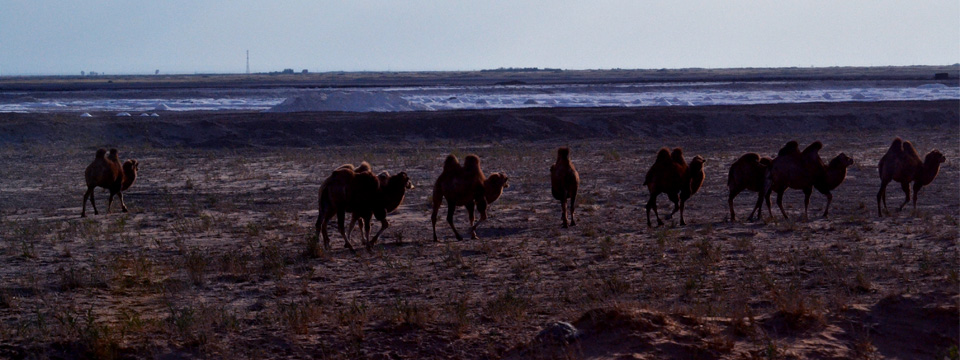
195 262
507 306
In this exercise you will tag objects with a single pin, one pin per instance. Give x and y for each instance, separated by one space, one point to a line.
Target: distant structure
248 62
941 76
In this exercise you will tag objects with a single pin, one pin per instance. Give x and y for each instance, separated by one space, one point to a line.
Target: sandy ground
213 260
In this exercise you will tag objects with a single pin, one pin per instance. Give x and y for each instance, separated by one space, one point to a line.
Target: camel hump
451 163
909 149
663 155
364 167
677 156
765 161
813 148
896 146
790 148
749 157
563 153
345 167
471 162
101 153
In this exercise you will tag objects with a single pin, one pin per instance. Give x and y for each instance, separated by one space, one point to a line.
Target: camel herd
363 195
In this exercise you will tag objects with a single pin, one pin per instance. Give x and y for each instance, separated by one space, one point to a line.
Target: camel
347 189
564 181
391 194
836 172
747 173
794 169
902 164
465 185
106 171
671 175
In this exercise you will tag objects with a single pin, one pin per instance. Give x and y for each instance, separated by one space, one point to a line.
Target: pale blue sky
177 36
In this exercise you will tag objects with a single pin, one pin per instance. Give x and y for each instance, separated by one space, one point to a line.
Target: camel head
401 178
840 161
394 189
130 169
494 185
934 157
696 164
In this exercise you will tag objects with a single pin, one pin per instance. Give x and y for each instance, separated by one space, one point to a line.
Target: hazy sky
178 36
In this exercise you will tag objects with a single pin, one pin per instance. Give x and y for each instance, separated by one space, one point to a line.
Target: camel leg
437 201
382 216
450 210
473 226
882 194
110 201
563 213
573 206
366 233
906 191
652 205
780 204
123 207
481 203
346 242
682 202
323 220
676 205
806 202
829 200
733 194
758 208
88 194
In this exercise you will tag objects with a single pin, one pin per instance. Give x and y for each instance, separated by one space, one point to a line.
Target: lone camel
564 182
106 171
902 164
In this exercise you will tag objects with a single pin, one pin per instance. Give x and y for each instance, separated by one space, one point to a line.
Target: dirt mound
352 101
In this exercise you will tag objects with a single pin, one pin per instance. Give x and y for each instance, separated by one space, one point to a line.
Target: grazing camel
671 175
747 173
564 181
795 170
836 172
347 189
465 185
106 171
902 164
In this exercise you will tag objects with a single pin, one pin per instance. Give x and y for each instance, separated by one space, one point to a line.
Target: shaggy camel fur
747 173
465 185
347 189
836 172
106 171
671 175
795 170
902 164
564 182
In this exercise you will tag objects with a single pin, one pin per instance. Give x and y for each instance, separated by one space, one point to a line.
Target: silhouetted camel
388 198
836 171
106 171
465 185
747 173
902 164
669 175
795 170
564 182
352 190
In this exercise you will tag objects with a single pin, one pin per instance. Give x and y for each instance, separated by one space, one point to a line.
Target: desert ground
214 259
